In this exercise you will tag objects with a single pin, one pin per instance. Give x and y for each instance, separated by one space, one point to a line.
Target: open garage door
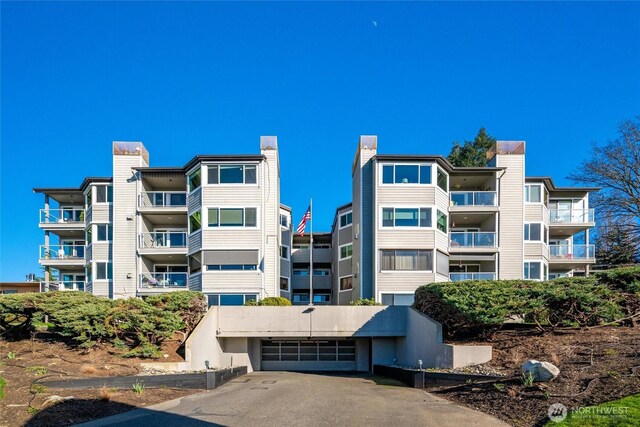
308 355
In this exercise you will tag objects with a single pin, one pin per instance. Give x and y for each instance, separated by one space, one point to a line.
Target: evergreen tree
615 244
472 153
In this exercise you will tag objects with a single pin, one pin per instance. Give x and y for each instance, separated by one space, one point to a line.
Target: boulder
541 371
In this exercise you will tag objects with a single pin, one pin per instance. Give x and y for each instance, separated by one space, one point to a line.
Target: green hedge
364 301
468 306
622 279
84 320
270 301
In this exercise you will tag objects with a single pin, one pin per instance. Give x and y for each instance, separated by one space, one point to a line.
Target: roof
53 191
337 214
223 158
441 160
285 207
548 181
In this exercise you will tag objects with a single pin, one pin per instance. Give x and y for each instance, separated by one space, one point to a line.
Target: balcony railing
163 280
472 239
162 199
474 198
77 285
62 216
62 252
459 277
572 252
570 216
165 239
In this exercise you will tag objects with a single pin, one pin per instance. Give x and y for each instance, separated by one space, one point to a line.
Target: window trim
446 217
188 175
231 270
189 231
381 225
94 194
288 284
542 265
244 176
205 224
340 226
286 227
542 194
288 257
340 258
394 294
544 232
433 261
446 175
407 184
108 225
94 271
340 283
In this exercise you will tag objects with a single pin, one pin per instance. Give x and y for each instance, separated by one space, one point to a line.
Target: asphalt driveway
304 399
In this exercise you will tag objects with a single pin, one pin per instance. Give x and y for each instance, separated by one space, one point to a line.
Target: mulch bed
596 365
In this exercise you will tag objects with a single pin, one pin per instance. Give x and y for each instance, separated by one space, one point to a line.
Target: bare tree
616 168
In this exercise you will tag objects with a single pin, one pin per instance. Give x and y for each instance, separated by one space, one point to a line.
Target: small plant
527 379
499 386
11 355
38 388
364 301
610 352
613 374
31 410
3 382
38 370
138 388
546 395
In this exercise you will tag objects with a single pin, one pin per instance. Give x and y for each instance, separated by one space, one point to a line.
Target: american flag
303 222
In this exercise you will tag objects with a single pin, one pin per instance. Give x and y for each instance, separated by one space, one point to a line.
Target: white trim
231 184
340 279
288 257
542 262
406 184
94 194
205 217
404 227
340 227
340 251
433 260
288 284
542 194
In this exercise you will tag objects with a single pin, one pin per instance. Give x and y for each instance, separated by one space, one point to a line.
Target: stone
541 371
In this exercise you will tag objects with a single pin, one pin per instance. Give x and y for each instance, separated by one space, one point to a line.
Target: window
104 193
87 273
346 283
232 217
232 174
407 260
442 222
300 298
104 271
406 217
346 219
195 221
195 264
87 198
9 292
230 299
533 193
397 299
231 267
346 251
298 246
443 180
442 263
533 270
533 232
194 180
406 174
104 232
320 298
301 272
284 284
87 236
284 252
284 221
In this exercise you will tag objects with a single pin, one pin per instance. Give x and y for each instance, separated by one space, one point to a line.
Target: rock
166 356
541 371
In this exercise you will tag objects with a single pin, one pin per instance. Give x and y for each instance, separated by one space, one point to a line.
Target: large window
406 217
346 219
533 193
195 221
406 174
443 180
442 222
232 217
104 193
397 299
104 233
232 174
346 251
230 299
194 180
533 270
104 271
406 260
346 283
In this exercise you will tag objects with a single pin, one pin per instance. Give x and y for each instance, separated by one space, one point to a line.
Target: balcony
320 255
461 200
571 216
61 255
62 219
459 277
572 254
163 282
162 245
477 241
62 286
163 201
319 282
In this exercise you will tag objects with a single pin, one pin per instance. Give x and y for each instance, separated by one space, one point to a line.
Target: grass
38 370
38 388
618 413
3 382
138 388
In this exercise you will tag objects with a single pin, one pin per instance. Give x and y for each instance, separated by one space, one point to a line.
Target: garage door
308 355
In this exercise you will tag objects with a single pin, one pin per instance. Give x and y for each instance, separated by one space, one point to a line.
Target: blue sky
208 78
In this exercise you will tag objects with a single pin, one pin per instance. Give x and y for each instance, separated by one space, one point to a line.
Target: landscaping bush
364 301
623 279
84 320
271 301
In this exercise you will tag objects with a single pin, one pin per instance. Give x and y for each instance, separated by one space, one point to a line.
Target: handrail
65 216
164 239
472 239
62 252
474 198
568 252
459 277
155 280
65 285
162 199
570 216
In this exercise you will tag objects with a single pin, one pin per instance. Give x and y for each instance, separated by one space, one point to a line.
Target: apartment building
216 225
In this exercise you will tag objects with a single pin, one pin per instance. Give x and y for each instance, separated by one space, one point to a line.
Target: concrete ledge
420 379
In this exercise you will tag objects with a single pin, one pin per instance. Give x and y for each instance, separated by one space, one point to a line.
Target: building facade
216 225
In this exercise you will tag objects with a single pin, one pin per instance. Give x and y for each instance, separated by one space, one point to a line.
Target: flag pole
311 252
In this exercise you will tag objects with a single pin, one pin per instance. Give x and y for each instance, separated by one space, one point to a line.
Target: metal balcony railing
162 199
570 216
165 239
163 280
572 252
474 198
62 216
77 285
459 277
62 252
472 239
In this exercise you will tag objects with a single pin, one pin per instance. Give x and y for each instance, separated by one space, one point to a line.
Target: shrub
364 301
623 279
271 301
190 306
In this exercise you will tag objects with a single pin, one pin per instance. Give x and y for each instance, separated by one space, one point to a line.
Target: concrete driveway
304 399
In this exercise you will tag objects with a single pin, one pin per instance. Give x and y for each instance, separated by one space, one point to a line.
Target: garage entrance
308 355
